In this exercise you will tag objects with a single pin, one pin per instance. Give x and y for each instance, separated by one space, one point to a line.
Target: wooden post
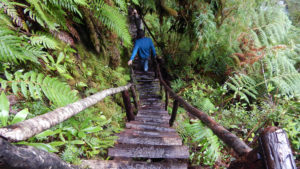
174 112
127 104
167 99
134 97
276 150
27 157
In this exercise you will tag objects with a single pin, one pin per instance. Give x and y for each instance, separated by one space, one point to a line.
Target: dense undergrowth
238 61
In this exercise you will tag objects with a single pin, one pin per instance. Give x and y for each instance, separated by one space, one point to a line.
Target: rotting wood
28 128
276 150
240 147
127 104
27 157
174 112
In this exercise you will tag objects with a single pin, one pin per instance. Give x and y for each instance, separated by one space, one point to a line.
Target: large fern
112 18
204 144
53 13
15 48
270 33
37 85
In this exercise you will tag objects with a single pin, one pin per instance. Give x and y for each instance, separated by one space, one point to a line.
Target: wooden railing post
132 89
127 104
276 150
174 112
167 99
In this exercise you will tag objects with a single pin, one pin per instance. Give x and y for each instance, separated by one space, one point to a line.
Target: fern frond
115 21
202 139
44 40
9 8
12 47
283 75
37 85
243 86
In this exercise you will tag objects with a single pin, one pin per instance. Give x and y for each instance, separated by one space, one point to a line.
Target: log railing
227 137
31 127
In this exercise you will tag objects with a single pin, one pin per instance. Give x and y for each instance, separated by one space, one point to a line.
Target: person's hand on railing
129 62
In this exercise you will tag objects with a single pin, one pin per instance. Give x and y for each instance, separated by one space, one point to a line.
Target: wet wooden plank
149 151
142 140
148 127
149 133
157 120
101 164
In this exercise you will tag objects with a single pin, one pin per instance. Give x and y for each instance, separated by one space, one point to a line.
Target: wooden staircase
147 142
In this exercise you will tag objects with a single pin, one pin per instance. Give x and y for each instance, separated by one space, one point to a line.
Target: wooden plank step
149 151
155 116
150 123
126 139
113 164
157 120
141 126
160 111
144 73
149 133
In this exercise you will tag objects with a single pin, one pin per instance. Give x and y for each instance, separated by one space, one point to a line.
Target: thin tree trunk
227 137
27 157
28 128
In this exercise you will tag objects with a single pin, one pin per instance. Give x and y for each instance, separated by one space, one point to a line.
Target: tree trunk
28 128
276 149
27 157
127 104
227 137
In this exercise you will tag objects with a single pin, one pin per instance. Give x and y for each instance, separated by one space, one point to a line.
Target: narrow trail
147 142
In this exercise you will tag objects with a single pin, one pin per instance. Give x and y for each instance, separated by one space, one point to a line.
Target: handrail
28 128
227 137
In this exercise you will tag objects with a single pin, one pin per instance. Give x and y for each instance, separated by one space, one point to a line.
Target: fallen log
28 128
27 157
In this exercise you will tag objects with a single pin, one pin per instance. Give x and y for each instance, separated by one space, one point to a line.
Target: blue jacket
143 45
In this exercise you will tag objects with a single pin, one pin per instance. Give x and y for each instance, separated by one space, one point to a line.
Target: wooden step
113 164
144 73
149 111
149 133
157 120
154 116
142 140
141 126
149 151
